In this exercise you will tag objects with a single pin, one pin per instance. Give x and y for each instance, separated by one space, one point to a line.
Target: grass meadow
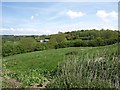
73 67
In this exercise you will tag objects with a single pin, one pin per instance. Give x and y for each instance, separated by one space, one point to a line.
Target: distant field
47 59
40 66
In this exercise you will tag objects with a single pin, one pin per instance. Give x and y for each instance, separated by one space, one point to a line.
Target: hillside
41 66
12 45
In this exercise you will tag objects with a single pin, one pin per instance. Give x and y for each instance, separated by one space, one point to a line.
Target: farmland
59 45
76 59
70 67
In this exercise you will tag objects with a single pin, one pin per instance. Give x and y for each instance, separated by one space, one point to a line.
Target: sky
38 18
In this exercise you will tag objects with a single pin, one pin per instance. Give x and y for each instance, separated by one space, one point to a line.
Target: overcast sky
28 18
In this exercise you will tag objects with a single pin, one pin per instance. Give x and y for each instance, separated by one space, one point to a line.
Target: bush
41 46
62 45
101 71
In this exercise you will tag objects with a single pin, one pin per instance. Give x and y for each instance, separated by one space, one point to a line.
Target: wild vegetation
97 69
77 59
80 67
22 44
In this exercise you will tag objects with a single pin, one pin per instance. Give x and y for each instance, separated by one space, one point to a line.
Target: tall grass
96 69
82 67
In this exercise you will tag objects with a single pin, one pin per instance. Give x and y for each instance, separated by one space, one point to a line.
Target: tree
28 44
41 46
57 39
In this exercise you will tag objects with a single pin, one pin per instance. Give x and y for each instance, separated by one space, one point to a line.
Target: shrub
99 71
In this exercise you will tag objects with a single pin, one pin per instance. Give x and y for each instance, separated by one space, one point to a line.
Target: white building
43 40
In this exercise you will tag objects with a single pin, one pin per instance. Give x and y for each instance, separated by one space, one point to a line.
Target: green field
39 67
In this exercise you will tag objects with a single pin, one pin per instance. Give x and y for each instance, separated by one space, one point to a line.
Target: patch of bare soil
12 82
40 85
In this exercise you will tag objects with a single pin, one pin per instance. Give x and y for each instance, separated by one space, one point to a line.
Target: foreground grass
38 67
34 67
94 70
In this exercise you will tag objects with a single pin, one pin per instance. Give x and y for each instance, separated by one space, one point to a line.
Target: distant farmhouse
43 40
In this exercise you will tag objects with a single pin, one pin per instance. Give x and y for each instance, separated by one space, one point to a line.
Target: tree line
81 38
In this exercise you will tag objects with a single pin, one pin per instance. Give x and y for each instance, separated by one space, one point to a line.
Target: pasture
54 65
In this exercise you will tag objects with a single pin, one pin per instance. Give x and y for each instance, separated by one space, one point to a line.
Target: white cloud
12 29
3 29
73 14
113 14
107 16
32 17
102 14
110 27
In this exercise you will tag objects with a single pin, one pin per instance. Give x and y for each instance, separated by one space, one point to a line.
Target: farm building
43 40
